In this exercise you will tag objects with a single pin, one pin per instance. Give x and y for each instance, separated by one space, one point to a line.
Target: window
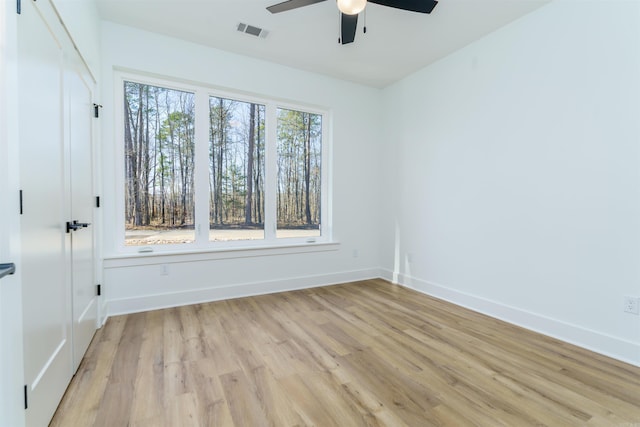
159 165
299 178
214 170
236 170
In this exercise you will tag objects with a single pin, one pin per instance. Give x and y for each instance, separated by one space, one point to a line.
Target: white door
46 293
84 298
11 368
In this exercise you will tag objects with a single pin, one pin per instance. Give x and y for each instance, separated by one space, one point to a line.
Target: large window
206 169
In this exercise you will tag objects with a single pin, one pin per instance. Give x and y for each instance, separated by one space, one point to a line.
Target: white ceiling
397 43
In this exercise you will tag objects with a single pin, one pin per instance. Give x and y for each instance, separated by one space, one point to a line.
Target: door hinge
97 201
96 110
21 202
26 402
99 290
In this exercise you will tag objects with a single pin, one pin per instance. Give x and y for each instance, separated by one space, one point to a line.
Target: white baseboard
607 345
196 296
598 342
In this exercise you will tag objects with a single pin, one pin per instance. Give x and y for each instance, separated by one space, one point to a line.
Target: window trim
139 259
201 243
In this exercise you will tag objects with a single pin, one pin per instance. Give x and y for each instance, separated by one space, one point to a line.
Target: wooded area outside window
236 170
213 169
299 178
159 144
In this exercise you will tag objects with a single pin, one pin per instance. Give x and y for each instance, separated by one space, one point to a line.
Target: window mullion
326 209
202 168
271 173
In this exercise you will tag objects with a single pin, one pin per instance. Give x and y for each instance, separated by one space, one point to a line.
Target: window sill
151 258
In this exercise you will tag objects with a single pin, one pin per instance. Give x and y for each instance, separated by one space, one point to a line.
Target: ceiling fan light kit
351 8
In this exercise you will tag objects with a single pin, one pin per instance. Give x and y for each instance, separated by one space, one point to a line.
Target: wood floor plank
150 374
203 377
218 344
306 403
83 400
116 403
242 400
183 411
412 402
367 353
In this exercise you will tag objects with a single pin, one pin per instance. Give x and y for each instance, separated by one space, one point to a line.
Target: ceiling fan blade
422 6
348 24
291 4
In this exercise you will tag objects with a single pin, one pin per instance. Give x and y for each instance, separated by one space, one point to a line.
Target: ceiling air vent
252 31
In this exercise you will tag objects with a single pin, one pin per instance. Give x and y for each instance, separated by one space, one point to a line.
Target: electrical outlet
632 305
164 270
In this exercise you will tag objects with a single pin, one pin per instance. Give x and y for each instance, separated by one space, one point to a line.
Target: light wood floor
358 354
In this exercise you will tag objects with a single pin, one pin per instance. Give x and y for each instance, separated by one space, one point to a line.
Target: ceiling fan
349 10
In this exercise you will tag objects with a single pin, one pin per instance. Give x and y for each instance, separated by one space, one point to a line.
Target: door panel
84 299
46 293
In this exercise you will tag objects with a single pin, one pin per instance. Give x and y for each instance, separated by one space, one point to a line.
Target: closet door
46 289
84 299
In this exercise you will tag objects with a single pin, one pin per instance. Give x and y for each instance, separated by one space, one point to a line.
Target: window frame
202 93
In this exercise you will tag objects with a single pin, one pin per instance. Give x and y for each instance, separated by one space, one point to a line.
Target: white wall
82 22
517 175
132 285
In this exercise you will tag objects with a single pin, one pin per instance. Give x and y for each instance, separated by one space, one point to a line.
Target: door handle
72 226
75 225
6 269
